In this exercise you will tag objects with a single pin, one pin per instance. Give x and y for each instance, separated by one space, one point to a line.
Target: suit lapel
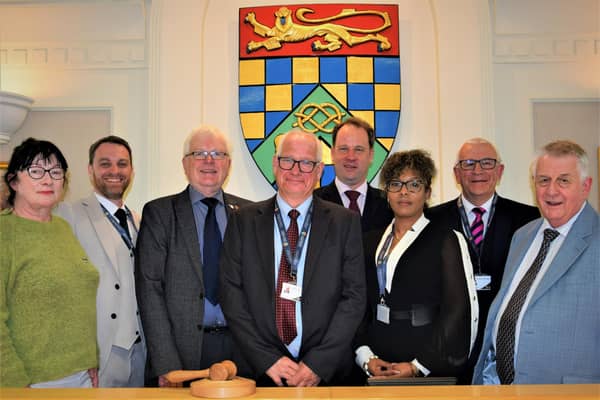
263 229
231 205
575 243
330 193
103 227
187 225
321 221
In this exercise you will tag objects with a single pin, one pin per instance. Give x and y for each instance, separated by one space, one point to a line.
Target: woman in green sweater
47 285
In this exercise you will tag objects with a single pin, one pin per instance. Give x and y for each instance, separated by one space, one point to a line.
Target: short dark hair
109 139
359 123
419 161
25 154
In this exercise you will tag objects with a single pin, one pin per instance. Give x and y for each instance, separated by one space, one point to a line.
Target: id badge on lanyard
383 311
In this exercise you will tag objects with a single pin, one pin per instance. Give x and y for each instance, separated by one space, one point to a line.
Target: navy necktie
122 217
505 340
211 251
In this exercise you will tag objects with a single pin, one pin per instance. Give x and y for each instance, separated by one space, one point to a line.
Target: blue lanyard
119 228
293 259
382 259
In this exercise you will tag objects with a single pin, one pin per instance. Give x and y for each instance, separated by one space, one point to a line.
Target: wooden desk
522 392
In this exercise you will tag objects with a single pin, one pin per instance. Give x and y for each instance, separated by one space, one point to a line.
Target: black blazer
429 274
333 290
376 214
169 285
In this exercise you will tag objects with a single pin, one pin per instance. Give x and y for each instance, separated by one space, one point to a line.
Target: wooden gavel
221 371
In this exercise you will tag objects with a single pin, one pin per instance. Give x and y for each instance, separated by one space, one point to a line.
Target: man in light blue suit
544 325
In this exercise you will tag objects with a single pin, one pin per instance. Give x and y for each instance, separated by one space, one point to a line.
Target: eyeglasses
203 155
484 163
545 181
287 163
56 173
413 186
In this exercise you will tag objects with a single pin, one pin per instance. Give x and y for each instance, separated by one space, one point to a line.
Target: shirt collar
285 208
196 196
342 187
470 206
108 205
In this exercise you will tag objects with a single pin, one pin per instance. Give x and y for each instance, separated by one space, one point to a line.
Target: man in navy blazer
544 324
352 154
184 327
324 286
478 170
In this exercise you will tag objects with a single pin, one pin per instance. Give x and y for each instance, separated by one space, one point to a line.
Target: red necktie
353 196
285 310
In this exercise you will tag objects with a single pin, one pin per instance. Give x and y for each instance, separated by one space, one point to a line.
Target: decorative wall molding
535 49
108 54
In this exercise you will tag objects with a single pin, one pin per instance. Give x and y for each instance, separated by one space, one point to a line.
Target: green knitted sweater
47 302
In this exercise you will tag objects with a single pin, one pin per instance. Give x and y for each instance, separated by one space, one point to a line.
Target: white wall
205 35
469 68
71 55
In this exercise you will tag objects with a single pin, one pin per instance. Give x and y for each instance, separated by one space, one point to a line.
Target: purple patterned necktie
477 227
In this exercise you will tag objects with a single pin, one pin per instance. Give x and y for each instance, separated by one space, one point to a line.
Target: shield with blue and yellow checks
312 66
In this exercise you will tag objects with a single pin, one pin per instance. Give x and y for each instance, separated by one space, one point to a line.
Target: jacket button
201 296
117 286
113 316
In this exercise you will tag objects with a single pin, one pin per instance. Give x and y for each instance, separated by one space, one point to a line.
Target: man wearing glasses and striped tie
487 220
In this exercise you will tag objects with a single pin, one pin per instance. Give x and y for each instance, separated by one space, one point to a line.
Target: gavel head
222 371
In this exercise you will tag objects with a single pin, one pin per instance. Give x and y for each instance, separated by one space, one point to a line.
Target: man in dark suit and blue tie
352 154
292 275
487 220
177 263
543 326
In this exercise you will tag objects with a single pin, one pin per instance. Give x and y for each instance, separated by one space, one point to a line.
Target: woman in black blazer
420 320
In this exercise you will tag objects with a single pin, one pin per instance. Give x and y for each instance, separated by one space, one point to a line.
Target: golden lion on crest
288 31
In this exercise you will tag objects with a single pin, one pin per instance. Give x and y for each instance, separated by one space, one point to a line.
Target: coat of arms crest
312 66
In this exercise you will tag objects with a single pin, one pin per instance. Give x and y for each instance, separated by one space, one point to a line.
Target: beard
112 191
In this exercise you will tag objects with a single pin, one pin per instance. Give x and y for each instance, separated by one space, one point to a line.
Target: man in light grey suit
544 325
107 230
177 266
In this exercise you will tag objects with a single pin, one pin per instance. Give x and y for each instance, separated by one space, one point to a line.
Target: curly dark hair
419 161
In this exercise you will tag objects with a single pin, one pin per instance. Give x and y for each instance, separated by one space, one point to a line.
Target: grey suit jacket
116 306
560 329
169 282
333 290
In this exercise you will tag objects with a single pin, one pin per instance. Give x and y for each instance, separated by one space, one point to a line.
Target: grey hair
564 148
284 136
478 140
205 130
